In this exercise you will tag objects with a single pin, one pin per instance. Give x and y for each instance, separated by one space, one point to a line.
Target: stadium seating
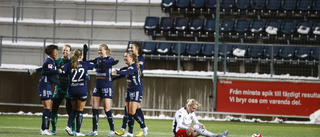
193 49
151 25
164 48
167 5
166 26
209 27
226 27
303 53
197 6
208 49
181 26
255 51
196 26
149 47
175 48
268 51
182 6
256 28
315 53
273 6
210 5
225 50
272 28
240 51
287 52
288 29
241 27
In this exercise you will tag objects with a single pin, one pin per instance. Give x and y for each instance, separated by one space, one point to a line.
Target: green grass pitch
29 126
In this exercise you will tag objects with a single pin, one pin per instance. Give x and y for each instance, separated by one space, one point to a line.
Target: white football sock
204 132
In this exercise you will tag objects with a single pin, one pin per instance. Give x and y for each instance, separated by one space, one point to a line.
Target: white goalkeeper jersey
183 119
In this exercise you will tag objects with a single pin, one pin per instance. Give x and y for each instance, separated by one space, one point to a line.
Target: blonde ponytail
75 57
135 59
105 46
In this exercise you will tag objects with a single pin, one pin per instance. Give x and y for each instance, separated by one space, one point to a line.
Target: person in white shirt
181 125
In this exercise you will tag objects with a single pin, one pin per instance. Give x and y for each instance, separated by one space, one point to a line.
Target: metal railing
13 17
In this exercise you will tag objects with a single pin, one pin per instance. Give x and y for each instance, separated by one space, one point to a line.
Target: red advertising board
264 97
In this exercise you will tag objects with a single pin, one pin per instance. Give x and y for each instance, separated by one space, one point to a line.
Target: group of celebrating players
72 74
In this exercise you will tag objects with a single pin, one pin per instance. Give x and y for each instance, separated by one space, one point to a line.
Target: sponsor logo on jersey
50 66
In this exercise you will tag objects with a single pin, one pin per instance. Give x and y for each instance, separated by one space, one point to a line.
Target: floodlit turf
29 126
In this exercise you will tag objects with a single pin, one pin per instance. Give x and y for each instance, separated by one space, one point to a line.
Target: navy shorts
45 94
74 97
103 92
134 96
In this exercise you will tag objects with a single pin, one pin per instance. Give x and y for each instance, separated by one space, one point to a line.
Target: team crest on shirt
132 95
50 66
191 117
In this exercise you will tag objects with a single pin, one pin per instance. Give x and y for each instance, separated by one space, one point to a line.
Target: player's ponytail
135 58
75 58
191 102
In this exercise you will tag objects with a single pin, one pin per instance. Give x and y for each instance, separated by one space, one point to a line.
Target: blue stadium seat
180 26
149 47
288 4
242 4
241 26
304 5
257 26
209 27
182 6
193 49
240 51
166 26
164 48
225 50
197 6
288 28
316 28
304 27
210 5
208 49
175 48
303 52
273 4
196 26
227 4
268 51
255 51
151 25
287 52
226 26
258 4
272 27
315 53
316 5
167 5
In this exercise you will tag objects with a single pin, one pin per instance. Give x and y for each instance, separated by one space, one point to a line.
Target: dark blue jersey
77 81
133 78
103 71
46 80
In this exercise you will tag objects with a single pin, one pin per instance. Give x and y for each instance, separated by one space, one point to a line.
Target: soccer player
77 71
134 92
181 126
134 47
44 86
59 94
103 89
